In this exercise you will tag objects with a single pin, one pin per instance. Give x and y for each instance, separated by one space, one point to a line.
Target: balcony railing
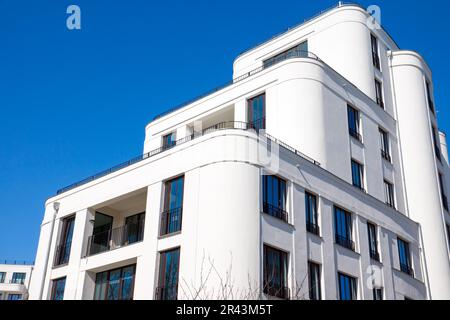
355 134
277 292
62 254
17 262
374 255
236 125
313 228
385 155
167 293
345 242
257 125
276 212
171 221
406 269
115 238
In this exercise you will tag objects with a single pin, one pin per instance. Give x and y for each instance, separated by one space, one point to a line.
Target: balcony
345 242
167 293
277 292
276 212
115 238
313 228
406 269
171 221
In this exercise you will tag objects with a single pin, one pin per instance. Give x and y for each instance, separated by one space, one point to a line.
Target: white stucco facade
14 281
224 227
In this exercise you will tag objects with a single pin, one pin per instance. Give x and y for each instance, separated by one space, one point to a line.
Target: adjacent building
319 172
14 280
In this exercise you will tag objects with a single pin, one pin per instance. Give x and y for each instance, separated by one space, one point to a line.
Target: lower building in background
14 280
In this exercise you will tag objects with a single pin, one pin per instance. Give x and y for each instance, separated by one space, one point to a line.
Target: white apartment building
14 280
319 172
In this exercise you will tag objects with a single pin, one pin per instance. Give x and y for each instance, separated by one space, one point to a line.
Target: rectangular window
389 194
358 175
173 206
312 221
299 51
343 228
134 228
347 287
117 284
275 273
274 197
169 140
14 297
448 234
377 294
18 278
437 149
63 250
404 257
384 139
375 55
257 112
379 93
2 277
443 194
314 281
353 123
58 287
430 99
168 275
373 241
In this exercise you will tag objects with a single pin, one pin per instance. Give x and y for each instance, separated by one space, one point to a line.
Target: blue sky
76 102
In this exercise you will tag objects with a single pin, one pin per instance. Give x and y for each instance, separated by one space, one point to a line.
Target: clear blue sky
76 102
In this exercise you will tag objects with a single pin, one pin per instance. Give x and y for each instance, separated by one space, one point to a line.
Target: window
373 242
430 99
343 228
314 281
448 234
405 257
58 287
389 194
375 56
169 140
300 50
63 250
257 112
347 287
379 93
357 175
353 123
437 150
173 206
14 297
377 293
312 222
384 139
443 194
275 273
274 197
168 275
134 228
117 284
18 278
2 277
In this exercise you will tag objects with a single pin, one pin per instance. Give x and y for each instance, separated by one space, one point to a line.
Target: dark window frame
55 288
348 287
312 218
385 145
437 148
169 140
343 228
275 199
172 212
429 96
389 194
354 122
2 276
62 255
120 285
314 281
373 241
375 49
257 122
443 193
377 294
19 277
168 290
357 176
379 96
280 289
404 254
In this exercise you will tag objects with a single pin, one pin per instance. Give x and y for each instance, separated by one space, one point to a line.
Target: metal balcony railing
115 238
313 228
167 292
17 262
277 292
345 242
276 212
407 269
62 254
236 125
171 221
